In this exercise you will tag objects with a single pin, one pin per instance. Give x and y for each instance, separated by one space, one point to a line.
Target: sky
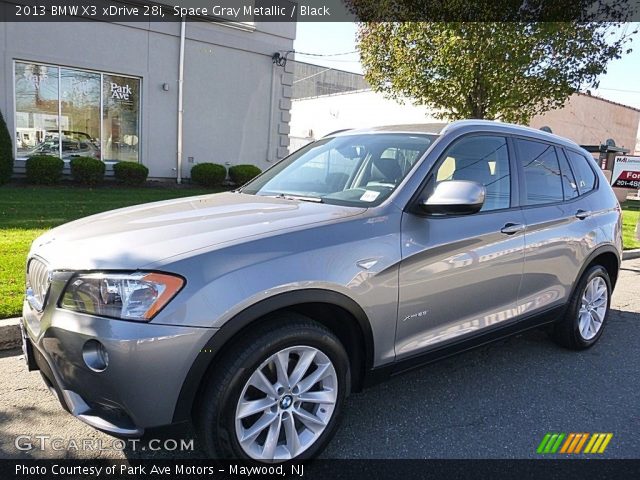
620 84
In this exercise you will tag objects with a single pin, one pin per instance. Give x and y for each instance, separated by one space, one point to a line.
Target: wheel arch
341 314
605 255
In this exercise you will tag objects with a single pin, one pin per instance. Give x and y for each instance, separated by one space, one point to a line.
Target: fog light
95 356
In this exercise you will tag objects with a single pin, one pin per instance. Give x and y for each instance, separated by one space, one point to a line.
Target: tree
6 152
494 70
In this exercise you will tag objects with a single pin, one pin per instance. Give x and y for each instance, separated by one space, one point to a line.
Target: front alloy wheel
286 404
276 394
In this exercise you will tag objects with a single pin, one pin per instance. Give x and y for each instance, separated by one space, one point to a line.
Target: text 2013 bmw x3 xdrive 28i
255 313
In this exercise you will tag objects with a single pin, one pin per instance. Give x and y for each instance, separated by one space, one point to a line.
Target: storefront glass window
120 117
36 109
80 118
95 114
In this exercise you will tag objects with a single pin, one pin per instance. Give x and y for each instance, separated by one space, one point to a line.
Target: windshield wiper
302 198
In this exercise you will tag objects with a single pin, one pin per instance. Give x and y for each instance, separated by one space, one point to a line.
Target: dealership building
119 91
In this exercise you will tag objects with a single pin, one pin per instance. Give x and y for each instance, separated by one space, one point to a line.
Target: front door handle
582 214
511 228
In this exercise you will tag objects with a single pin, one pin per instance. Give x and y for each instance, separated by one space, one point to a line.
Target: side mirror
455 197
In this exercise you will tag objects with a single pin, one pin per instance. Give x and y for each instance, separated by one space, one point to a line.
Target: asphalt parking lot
497 401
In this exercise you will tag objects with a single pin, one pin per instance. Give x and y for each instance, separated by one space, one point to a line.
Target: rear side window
585 176
569 184
542 175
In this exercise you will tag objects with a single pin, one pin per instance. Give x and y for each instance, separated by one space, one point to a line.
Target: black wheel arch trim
281 301
608 248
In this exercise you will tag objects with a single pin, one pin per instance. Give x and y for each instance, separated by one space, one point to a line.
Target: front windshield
356 170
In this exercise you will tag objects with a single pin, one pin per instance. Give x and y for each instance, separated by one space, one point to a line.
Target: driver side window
483 159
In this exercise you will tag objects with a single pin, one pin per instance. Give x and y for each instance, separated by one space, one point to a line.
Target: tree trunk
476 97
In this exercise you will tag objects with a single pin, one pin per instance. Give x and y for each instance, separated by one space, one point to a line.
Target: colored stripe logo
574 443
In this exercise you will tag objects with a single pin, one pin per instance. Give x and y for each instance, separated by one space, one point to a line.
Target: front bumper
139 388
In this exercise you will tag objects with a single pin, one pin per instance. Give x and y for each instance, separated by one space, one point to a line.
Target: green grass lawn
26 212
630 218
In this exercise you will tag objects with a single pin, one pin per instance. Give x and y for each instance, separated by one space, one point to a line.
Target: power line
619 90
324 54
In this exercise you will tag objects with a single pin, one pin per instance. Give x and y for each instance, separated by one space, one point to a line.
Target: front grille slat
37 283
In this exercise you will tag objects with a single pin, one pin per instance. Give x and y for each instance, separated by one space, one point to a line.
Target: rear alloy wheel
587 311
286 404
593 308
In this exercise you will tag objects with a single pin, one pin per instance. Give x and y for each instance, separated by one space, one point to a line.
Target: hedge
241 174
6 152
44 169
87 170
130 173
208 174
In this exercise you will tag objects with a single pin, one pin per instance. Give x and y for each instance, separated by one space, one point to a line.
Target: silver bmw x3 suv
254 313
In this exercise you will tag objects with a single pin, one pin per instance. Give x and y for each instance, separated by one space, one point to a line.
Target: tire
303 408
569 331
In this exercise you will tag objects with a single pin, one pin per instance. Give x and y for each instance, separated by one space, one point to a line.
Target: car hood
133 237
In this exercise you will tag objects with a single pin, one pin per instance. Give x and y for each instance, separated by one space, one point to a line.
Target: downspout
183 27
270 133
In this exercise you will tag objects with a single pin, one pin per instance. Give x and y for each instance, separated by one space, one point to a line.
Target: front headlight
128 296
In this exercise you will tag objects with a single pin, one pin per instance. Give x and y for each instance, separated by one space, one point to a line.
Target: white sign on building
626 172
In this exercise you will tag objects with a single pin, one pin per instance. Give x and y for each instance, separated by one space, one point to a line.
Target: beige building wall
589 120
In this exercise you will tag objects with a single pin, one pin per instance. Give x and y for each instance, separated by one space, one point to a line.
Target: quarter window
482 159
542 176
585 177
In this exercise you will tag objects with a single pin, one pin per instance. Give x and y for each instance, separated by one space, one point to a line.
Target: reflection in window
349 170
58 113
584 174
120 118
80 113
541 172
482 159
36 109
568 181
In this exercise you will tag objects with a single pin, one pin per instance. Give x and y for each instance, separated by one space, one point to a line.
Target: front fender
253 314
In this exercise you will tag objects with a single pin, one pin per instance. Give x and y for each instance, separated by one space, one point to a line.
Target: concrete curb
631 254
10 333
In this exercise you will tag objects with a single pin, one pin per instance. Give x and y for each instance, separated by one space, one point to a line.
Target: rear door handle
582 214
511 228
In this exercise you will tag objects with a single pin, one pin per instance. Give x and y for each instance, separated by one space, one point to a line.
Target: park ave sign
121 92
